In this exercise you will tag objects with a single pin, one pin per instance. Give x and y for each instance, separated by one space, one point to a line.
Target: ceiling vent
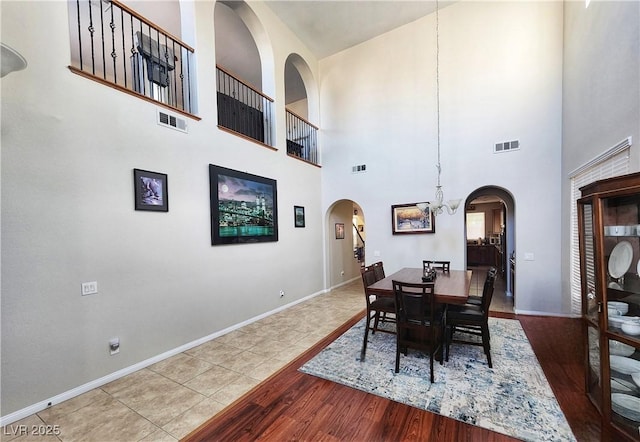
507 146
359 168
171 121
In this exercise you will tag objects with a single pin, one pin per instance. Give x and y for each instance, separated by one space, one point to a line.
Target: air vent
507 146
171 121
359 168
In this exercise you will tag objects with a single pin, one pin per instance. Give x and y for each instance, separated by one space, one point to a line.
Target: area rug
513 398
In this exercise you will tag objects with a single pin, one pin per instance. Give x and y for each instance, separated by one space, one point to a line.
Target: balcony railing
115 45
243 109
302 138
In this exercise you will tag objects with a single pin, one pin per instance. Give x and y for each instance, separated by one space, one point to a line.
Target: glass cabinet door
591 303
621 261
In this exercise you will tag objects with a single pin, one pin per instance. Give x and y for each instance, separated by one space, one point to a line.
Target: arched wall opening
498 232
343 238
301 92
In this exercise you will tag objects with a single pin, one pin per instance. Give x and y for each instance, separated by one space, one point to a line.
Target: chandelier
438 206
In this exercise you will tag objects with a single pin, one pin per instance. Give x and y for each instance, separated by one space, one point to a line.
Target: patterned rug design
513 398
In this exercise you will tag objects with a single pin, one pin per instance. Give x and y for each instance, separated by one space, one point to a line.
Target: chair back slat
442 266
487 290
378 269
368 276
414 302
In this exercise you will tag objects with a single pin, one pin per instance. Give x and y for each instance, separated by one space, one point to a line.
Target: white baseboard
536 313
39 406
344 283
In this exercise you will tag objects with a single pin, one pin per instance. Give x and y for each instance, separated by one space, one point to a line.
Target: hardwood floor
295 406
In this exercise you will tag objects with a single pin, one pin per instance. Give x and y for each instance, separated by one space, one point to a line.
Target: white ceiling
327 27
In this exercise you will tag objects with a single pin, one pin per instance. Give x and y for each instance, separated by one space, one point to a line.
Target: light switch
528 257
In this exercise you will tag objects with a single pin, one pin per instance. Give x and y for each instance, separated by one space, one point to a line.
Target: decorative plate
626 406
615 285
624 365
616 321
620 259
622 386
620 348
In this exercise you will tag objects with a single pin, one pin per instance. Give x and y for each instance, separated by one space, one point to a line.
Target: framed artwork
408 218
150 191
244 207
298 216
339 230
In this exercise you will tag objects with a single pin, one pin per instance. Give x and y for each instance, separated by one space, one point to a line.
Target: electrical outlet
282 293
89 288
114 346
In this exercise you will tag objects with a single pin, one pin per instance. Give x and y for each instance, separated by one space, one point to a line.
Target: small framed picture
408 218
298 216
339 230
150 190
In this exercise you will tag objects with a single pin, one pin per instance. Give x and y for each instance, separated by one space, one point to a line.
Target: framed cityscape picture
244 207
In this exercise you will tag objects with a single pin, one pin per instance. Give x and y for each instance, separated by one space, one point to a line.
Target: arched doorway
345 242
490 236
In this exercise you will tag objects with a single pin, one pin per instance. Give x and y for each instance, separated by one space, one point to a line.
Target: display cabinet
609 242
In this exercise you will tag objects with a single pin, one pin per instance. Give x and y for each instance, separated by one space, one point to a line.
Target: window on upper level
116 45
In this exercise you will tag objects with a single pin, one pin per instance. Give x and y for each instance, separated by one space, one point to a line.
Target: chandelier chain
438 87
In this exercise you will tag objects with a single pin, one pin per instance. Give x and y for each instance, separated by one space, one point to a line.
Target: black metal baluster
104 61
160 75
124 50
114 56
91 30
189 80
135 74
79 32
142 78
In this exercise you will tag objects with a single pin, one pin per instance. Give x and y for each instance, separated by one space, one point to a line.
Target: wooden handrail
100 80
244 83
303 119
152 24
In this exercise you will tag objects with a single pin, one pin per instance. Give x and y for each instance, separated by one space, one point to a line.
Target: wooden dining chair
378 269
477 299
379 309
442 266
419 320
471 319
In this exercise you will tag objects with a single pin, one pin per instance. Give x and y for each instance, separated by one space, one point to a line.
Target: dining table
450 287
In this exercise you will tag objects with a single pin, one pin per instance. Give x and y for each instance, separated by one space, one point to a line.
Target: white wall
601 92
500 75
68 149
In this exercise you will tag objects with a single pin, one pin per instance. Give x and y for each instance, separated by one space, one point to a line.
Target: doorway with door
490 242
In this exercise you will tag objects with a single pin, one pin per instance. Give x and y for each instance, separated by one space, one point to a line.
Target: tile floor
167 400
500 302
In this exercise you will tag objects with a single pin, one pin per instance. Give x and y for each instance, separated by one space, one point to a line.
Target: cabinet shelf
632 230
